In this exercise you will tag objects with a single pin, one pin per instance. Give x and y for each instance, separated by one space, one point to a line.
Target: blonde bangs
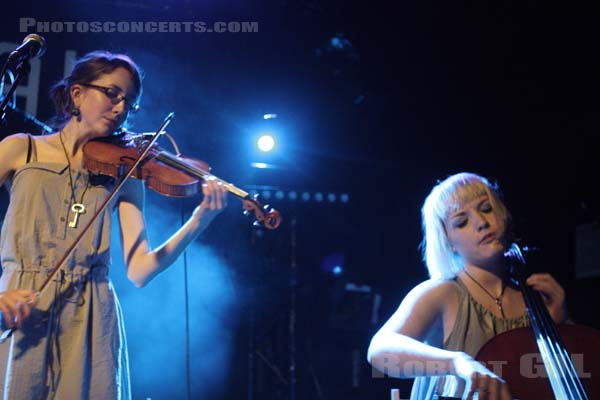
447 197
455 194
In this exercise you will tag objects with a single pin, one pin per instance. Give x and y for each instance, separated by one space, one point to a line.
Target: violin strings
167 159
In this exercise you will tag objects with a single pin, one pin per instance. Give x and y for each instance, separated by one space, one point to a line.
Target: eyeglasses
116 96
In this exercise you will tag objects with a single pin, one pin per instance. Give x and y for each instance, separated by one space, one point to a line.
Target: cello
544 361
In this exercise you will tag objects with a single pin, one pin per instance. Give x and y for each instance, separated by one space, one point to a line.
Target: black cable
186 316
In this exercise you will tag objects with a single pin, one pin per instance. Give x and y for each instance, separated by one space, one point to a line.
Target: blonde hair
446 197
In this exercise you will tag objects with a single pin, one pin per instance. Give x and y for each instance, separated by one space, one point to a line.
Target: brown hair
87 69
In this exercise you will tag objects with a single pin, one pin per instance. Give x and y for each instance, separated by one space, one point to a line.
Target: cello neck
561 372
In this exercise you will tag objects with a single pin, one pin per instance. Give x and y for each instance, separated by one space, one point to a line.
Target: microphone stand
292 317
23 69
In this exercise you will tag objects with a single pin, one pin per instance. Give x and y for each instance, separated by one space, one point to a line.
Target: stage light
282 194
265 143
333 263
259 165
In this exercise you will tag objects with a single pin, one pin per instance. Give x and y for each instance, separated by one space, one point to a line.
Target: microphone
33 46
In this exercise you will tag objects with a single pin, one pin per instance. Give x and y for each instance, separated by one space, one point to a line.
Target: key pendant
77 208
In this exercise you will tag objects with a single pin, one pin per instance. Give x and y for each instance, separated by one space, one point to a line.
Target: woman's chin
101 133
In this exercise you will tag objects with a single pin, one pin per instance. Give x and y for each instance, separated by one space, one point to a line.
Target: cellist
442 323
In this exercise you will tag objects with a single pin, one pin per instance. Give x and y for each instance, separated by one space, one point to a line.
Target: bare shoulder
13 153
423 307
17 142
432 289
432 294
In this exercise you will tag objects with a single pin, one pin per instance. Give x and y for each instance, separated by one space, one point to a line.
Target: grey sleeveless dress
73 345
474 326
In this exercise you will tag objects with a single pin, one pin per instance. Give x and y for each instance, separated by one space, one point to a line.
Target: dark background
412 93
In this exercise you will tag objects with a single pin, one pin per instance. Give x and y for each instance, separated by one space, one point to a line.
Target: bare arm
398 348
15 305
144 263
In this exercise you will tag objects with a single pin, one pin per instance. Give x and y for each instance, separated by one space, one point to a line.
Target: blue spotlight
344 198
333 263
293 195
265 143
337 270
331 197
319 197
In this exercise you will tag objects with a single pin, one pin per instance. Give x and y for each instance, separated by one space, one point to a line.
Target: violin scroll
265 215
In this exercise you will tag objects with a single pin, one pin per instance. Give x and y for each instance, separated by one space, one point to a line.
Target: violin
166 173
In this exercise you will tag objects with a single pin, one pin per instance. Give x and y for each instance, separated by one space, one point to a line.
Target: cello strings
544 344
559 361
548 339
565 364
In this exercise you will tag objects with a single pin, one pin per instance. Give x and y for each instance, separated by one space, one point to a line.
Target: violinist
443 322
69 341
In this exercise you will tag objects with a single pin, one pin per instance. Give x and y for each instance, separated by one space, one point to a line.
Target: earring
75 112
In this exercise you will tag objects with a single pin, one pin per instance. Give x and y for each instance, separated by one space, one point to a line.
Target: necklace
77 207
498 299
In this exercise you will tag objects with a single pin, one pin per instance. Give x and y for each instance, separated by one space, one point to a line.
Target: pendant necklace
497 300
77 207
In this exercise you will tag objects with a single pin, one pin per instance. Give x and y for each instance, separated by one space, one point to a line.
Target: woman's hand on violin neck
553 295
213 202
481 383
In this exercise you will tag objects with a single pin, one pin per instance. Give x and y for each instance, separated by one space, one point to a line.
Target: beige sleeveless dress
73 345
474 326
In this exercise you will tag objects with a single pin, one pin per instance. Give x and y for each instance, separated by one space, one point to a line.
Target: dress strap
28 149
